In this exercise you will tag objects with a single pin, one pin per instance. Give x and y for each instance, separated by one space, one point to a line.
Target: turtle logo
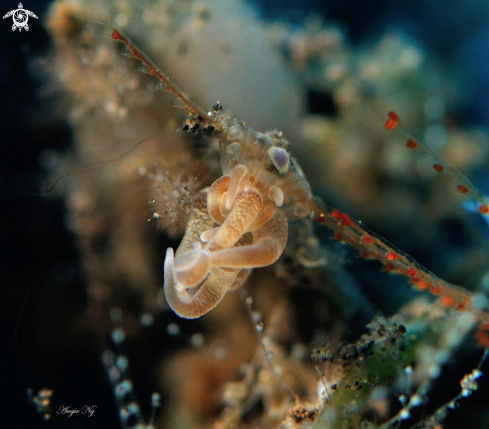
20 17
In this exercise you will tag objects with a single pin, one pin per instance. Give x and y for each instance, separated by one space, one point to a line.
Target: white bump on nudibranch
280 159
233 148
235 132
301 210
276 194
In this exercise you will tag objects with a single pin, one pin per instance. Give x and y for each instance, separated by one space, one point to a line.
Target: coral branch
165 83
464 185
371 246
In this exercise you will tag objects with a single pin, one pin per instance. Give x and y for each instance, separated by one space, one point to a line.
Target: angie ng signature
87 409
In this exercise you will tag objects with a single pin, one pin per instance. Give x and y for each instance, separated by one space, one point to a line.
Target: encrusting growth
240 222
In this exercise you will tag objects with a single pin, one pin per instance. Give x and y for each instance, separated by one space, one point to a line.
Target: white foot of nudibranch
208 295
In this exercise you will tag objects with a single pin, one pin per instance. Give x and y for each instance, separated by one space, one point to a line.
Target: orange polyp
482 339
447 301
483 208
367 239
391 256
484 326
462 189
435 290
461 307
412 144
345 219
422 285
364 254
116 35
338 236
411 272
392 122
438 167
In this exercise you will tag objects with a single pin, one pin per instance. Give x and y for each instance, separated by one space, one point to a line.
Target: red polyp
367 239
422 285
336 214
461 307
482 339
392 122
411 272
364 254
483 208
391 256
447 301
438 167
345 220
435 290
116 35
412 144
320 218
484 326
462 189
338 236
388 267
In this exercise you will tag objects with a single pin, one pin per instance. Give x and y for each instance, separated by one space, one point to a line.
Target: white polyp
415 401
118 336
123 387
133 408
143 68
476 374
259 327
179 103
404 414
276 194
126 51
155 400
321 391
161 86
114 374
249 301
122 363
237 177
